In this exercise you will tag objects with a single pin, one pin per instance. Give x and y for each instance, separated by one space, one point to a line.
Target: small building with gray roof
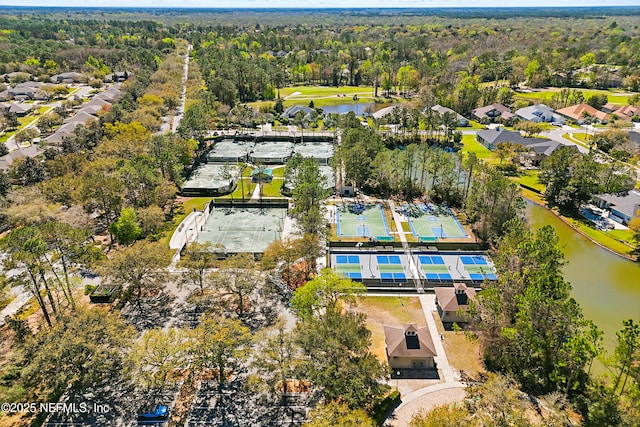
462 121
540 114
622 207
493 113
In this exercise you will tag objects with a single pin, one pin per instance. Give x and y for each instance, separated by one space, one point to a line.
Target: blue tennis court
473 260
347 259
438 277
391 259
431 259
393 277
476 277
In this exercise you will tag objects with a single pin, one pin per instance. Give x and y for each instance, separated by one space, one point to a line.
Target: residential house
443 110
62 132
537 152
622 207
624 112
580 112
534 150
453 303
118 76
383 112
490 138
22 92
20 110
97 103
291 112
540 114
110 95
80 117
493 113
93 109
409 347
68 78
8 159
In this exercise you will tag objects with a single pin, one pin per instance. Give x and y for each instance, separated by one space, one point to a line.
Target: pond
606 285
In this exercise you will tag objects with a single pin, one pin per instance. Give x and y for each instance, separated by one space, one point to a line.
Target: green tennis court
243 229
367 221
429 222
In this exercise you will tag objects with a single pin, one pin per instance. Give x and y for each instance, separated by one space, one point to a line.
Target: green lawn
530 179
578 138
23 121
473 125
471 145
272 189
608 239
545 95
318 91
183 209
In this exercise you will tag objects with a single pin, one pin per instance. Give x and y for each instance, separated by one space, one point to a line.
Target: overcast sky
318 3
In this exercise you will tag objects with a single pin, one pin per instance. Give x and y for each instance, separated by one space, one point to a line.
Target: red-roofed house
453 303
409 347
627 112
579 112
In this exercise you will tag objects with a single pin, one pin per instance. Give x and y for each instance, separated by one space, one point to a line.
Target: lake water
606 285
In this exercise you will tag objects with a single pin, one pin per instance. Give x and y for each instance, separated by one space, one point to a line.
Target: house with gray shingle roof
540 114
20 109
493 113
70 77
622 207
81 117
6 160
444 110
535 149
291 112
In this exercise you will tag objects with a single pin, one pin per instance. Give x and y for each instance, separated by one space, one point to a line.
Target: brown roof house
409 347
624 112
581 111
453 303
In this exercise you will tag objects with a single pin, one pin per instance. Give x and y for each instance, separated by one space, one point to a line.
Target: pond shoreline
577 229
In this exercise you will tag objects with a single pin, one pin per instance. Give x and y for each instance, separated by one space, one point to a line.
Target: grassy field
184 207
530 179
471 145
320 91
608 239
322 96
545 95
579 138
473 125
462 349
272 189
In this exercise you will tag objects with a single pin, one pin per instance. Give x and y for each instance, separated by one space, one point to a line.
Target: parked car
159 412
